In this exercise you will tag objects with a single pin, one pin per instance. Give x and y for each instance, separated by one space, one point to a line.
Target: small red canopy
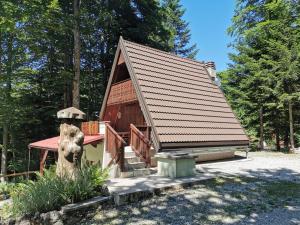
51 144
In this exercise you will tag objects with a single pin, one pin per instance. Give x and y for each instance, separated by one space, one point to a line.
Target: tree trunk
286 139
261 129
292 147
0 53
76 80
7 99
4 152
90 80
12 134
67 83
277 139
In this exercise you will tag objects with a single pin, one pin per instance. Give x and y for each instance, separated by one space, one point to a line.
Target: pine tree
264 70
37 63
179 28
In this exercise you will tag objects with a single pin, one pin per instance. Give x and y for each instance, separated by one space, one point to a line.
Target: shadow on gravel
235 200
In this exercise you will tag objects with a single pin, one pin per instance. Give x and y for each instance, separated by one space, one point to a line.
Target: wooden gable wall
122 107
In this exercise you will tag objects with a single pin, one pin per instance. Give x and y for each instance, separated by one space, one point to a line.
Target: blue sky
208 21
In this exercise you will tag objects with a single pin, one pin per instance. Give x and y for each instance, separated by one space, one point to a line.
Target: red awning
51 144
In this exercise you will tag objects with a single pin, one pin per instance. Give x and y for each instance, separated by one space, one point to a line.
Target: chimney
211 69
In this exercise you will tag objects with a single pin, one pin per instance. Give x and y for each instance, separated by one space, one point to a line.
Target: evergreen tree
179 28
264 76
37 62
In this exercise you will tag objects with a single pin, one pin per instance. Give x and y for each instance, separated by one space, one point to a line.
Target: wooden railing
115 146
140 144
122 92
90 127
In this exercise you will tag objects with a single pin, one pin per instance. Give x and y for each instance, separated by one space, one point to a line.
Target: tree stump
70 151
70 146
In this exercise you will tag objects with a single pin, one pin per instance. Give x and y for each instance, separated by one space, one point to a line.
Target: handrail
139 133
115 133
140 144
115 146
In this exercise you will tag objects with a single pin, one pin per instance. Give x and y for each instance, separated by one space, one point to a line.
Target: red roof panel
51 144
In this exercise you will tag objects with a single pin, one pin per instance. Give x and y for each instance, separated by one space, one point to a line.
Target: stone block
175 166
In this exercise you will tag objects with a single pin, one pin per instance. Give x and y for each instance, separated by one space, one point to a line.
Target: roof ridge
165 52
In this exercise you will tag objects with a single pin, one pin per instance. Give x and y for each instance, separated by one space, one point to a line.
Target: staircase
133 166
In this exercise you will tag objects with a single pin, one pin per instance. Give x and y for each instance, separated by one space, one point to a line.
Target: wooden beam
43 157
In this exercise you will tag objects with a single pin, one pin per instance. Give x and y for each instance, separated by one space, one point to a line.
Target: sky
208 21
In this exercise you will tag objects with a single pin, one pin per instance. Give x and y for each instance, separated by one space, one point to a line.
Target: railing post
140 144
121 157
115 147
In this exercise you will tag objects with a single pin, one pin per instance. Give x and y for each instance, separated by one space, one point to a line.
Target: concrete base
126 190
175 166
214 156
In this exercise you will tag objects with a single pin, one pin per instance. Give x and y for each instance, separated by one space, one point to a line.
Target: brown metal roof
181 101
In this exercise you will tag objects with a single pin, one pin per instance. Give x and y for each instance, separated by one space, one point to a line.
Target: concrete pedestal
174 166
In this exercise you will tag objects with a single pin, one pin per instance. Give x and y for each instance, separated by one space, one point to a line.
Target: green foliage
297 137
49 192
179 29
5 189
265 72
36 59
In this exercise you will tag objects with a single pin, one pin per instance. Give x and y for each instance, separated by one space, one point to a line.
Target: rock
10 221
54 216
45 217
104 190
36 216
59 222
74 219
71 113
24 222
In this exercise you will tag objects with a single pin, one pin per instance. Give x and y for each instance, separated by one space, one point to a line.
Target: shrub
5 189
49 192
297 138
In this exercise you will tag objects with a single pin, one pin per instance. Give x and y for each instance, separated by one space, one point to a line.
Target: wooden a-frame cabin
157 106
171 103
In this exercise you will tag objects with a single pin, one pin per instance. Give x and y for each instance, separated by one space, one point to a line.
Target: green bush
297 139
49 192
5 189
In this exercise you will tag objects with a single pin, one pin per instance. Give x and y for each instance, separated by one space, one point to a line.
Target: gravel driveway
265 165
262 190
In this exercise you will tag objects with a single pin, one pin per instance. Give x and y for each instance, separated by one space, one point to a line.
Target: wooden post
43 157
121 157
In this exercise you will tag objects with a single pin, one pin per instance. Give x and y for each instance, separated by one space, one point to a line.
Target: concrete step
135 165
129 155
141 172
128 148
136 173
134 159
128 152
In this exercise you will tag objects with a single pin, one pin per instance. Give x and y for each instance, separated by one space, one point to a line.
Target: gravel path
270 197
265 165
287 215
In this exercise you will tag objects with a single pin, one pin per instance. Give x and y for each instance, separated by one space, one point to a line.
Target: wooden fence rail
18 174
140 144
115 146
